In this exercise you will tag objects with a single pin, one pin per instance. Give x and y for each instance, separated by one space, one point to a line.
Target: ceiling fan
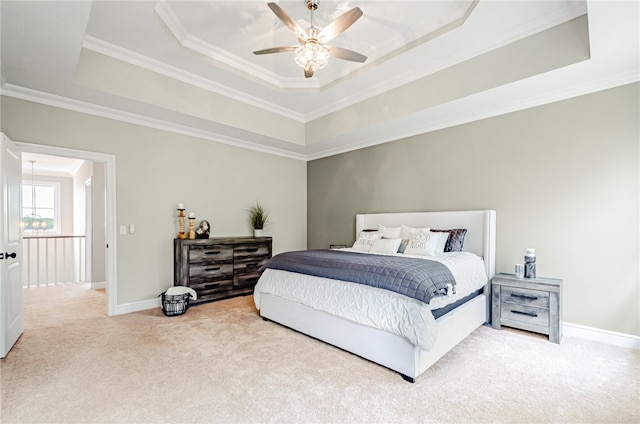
312 53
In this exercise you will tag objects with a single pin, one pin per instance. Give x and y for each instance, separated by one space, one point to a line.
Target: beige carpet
221 363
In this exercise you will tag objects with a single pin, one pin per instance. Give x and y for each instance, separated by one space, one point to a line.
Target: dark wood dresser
218 268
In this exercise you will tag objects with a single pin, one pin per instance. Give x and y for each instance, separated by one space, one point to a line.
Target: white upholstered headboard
480 225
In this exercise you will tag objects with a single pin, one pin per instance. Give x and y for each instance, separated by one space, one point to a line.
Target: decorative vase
257 232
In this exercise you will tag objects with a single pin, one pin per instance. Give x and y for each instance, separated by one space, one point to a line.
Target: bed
382 344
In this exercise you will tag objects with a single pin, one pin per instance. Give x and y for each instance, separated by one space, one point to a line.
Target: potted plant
258 217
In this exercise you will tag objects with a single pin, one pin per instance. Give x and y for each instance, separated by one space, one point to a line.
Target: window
40 207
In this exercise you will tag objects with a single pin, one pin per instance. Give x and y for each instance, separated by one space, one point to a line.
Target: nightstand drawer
212 253
521 296
524 314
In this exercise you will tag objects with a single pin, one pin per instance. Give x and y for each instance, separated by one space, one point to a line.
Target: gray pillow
455 240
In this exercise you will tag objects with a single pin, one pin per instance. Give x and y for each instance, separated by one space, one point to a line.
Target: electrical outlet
123 230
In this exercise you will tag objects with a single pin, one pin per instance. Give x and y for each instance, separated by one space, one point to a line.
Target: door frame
111 236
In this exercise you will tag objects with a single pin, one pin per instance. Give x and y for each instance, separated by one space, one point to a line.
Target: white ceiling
188 67
52 166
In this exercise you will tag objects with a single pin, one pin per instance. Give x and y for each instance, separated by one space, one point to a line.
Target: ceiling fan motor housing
312 4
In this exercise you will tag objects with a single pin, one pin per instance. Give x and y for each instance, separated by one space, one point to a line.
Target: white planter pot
257 233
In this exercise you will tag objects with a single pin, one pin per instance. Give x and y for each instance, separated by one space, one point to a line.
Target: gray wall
156 170
564 179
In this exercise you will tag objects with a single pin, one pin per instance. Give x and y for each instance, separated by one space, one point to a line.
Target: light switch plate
123 230
132 228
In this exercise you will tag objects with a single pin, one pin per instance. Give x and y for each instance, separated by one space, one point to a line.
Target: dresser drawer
209 272
210 287
211 253
246 280
525 314
250 250
247 265
528 297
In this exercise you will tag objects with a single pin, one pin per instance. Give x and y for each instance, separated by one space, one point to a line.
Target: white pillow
405 235
365 240
405 231
425 242
389 232
385 245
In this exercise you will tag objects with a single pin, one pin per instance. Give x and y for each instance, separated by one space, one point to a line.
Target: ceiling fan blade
346 54
276 50
288 21
340 24
308 73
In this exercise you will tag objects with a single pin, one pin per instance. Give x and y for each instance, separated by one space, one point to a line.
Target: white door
11 306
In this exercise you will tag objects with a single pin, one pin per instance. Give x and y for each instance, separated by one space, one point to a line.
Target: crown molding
462 54
475 113
100 46
190 41
48 99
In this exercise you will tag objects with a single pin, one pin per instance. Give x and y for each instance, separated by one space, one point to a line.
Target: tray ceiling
188 66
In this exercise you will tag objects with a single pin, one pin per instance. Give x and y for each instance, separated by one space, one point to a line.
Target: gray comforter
414 277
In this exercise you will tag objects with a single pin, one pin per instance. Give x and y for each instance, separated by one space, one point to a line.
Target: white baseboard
598 335
137 306
100 285
568 329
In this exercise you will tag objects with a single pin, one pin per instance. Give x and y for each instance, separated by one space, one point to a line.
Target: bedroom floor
221 363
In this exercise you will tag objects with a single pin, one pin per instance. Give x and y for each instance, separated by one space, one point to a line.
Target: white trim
35 96
111 239
472 113
143 305
100 285
599 335
116 52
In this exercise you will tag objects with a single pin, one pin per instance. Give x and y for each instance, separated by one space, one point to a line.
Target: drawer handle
524 296
212 252
211 286
251 250
529 314
212 269
252 265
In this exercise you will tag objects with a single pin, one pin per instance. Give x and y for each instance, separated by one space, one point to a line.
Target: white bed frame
390 350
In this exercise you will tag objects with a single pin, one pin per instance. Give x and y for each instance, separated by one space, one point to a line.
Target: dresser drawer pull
251 250
524 296
529 314
212 269
212 252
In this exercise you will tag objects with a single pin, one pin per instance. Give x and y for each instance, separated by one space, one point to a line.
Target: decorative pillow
455 240
426 243
389 232
385 245
365 240
405 235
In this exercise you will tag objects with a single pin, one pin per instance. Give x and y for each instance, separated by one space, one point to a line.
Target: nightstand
531 304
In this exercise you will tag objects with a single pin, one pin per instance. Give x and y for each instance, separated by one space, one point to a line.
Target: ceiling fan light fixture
311 55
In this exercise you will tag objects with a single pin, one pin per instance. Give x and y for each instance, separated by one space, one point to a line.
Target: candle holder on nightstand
181 224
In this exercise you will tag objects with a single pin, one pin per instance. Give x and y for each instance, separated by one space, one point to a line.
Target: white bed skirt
387 349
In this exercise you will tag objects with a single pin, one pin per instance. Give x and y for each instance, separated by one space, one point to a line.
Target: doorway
103 272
